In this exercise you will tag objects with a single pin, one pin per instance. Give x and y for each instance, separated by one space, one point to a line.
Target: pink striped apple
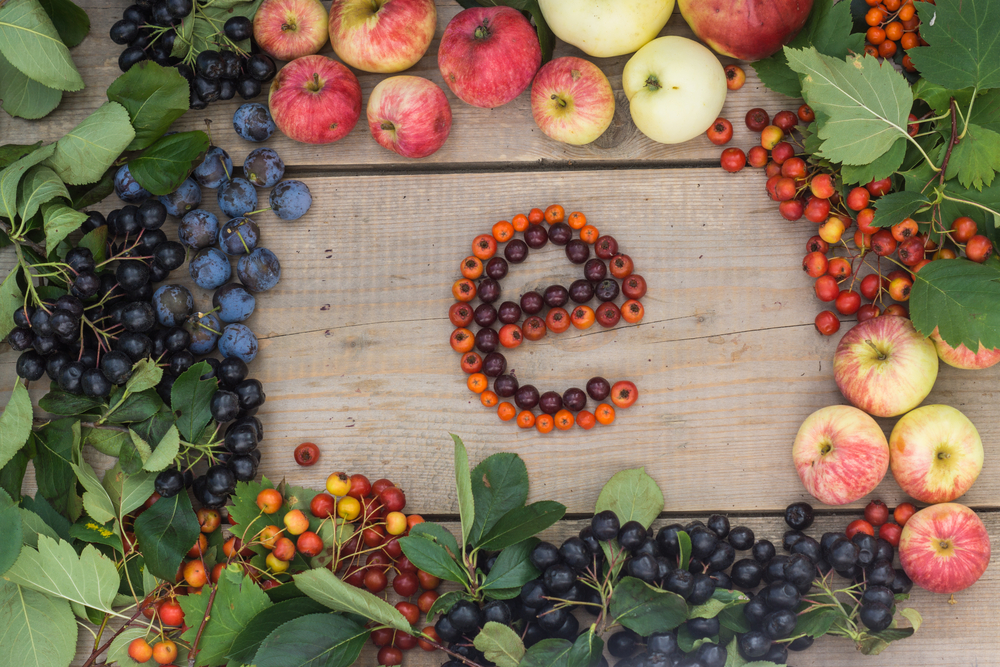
884 366
962 357
935 453
488 55
289 29
409 115
944 548
840 454
746 29
315 100
572 101
383 36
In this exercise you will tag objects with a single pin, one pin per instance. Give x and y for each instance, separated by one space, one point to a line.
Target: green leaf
513 567
165 533
58 402
23 97
128 492
633 496
815 623
316 640
895 207
237 601
55 569
463 485
715 606
10 300
959 298
963 50
587 650
548 653
828 29
939 97
432 531
873 643
70 21
43 514
156 427
88 530
12 474
865 105
913 616
976 158
93 193
521 523
191 398
145 375
55 445
11 153
40 185
445 602
35 630
85 153
135 407
501 645
15 423
10 528
499 485
32 526
106 441
684 542
644 609
60 222
31 43
256 630
327 589
433 558
164 165
154 96
11 176
733 619
165 453
96 242
882 167
118 651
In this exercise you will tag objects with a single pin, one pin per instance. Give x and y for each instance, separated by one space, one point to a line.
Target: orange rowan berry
564 420
589 234
478 383
632 311
520 222
544 423
576 220
586 419
583 317
554 214
489 399
526 419
472 267
605 414
484 246
506 411
536 216
464 290
557 320
503 231
462 340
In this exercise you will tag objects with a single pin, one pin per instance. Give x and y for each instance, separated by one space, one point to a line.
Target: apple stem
315 85
388 126
653 83
560 101
483 31
881 355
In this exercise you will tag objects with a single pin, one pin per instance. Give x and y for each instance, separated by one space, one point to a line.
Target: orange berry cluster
893 25
579 239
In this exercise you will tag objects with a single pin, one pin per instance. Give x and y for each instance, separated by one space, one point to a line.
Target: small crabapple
858 198
199 548
194 574
395 523
890 532
816 244
831 230
896 310
827 323
848 302
720 132
781 153
815 264
269 501
735 77
817 210
791 210
140 650
268 536
757 157
867 312
870 285
882 242
963 229
757 119
772 168
879 187
275 564
979 248
903 512
171 614
733 159
826 288
859 526
794 167
165 652
911 251
322 505
360 486
822 185
899 289
348 508
805 114
839 268
296 522
876 513
284 549
209 520
770 136
785 188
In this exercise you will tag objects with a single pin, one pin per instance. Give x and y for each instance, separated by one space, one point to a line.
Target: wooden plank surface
952 635
502 136
354 354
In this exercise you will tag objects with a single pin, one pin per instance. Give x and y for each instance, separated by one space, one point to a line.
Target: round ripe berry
781 153
903 512
876 616
720 132
757 157
827 288
890 532
859 526
606 247
605 525
799 516
733 159
978 249
598 388
757 119
963 229
306 454
786 120
771 136
465 616
735 77
858 198
624 394
389 655
815 263
791 210
876 513
848 302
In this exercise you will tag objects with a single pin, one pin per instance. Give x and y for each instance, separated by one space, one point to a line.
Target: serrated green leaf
976 158
256 630
88 530
32 44
11 177
316 640
145 375
93 193
128 492
154 96
59 402
55 445
118 651
12 531
105 440
327 589
11 299
816 623
168 161
35 629
15 423
71 22
873 643
865 105
499 485
57 524
85 153
893 208
883 167
12 473
587 650
39 186
165 532
23 97
32 526
547 653
959 298
96 501
633 496
963 50
501 645
513 567
191 398
644 609
165 453
521 523
60 222
55 569
913 616
463 485
939 97
433 558
432 531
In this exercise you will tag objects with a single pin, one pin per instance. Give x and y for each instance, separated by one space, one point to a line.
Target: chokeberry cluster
148 30
481 358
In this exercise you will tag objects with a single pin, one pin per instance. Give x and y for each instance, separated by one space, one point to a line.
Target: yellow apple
605 28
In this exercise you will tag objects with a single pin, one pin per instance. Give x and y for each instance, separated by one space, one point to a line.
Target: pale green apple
676 88
605 28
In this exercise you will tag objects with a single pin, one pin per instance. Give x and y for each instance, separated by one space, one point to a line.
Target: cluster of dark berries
148 31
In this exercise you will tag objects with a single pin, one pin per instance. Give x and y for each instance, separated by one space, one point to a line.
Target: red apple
409 115
884 366
572 101
745 29
935 453
840 454
315 100
944 548
962 357
488 55
289 29
382 35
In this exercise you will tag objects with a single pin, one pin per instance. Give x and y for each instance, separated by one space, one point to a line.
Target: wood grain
502 136
728 364
952 635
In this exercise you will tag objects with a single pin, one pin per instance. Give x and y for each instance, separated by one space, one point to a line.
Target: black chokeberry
465 616
781 595
544 555
497 611
631 535
703 542
220 480
558 578
644 567
623 644
30 365
247 87
169 483
719 525
244 467
703 627
666 538
753 644
775 569
755 611
741 538
878 594
117 367
532 594
703 589
746 573
94 383
680 582
809 548
238 28
605 525
876 616
261 67
225 405
799 516
251 394
575 553
880 573
124 31
779 624
721 558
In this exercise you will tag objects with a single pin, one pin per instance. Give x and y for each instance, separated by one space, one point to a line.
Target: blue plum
290 200
186 197
205 331
127 188
237 340
260 270
234 302
210 268
215 169
237 197
198 229
239 236
263 167
253 122
173 304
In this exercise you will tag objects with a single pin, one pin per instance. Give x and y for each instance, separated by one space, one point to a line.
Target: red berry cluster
876 522
847 270
557 410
